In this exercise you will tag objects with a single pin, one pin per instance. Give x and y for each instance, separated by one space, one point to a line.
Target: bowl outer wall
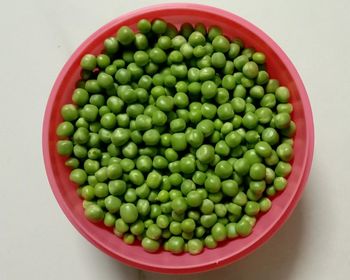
278 65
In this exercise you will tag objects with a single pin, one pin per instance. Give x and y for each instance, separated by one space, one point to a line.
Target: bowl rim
275 225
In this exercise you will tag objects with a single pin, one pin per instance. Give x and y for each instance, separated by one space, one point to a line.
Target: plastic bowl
278 65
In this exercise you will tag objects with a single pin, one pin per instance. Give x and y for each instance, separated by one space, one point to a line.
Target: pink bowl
278 65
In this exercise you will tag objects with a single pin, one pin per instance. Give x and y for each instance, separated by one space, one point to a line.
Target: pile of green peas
177 138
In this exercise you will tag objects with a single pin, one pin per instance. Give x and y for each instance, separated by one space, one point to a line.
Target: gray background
38 242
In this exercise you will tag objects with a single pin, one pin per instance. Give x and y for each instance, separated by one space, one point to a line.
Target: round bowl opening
278 66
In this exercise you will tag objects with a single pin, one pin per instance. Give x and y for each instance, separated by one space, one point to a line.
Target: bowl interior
278 66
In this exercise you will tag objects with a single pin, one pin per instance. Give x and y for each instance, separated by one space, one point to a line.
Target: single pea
282 120
150 245
151 137
221 148
233 139
282 94
103 61
240 199
144 26
88 192
112 203
218 60
206 73
272 85
120 136
210 242
128 212
265 205
64 147
209 89
176 244
284 108
188 225
225 112
208 110
178 141
208 220
88 62
69 112
206 127
240 61
252 208
257 171
165 103
117 187
94 213
159 26
218 231
205 153
229 188
212 183
162 221
250 120
263 149
195 246
78 176
223 169
179 205
154 180
257 187
231 230
222 96
221 44
283 169
125 35
285 152
250 70
243 228
153 232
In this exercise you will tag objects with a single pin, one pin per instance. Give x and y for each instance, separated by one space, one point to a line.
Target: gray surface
38 242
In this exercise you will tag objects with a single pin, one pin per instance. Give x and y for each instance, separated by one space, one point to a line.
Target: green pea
243 228
153 180
179 205
150 245
206 73
223 169
112 203
233 139
285 152
78 176
282 94
257 187
209 89
178 141
283 169
151 137
125 35
265 205
240 199
252 208
128 212
218 231
94 213
208 220
212 183
229 188
225 111
257 171
282 120
272 85
221 44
